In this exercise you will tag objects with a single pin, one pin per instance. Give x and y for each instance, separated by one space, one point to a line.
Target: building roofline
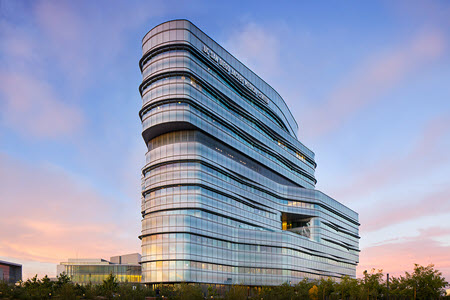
292 116
10 263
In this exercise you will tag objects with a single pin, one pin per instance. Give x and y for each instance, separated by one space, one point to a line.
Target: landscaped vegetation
422 283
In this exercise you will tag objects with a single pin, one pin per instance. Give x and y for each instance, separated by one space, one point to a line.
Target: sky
367 81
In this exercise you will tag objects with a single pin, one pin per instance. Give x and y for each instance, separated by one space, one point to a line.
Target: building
83 271
10 272
228 191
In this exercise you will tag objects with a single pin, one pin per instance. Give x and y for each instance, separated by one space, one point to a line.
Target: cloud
405 209
31 99
397 257
51 53
372 78
31 106
17 46
51 215
257 47
66 36
424 156
85 39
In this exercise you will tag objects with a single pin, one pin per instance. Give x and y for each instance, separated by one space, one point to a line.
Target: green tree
166 290
35 288
130 291
64 288
302 288
5 289
212 292
90 291
372 284
186 291
67 291
426 282
109 286
280 292
325 287
62 279
398 288
47 284
347 288
264 292
236 292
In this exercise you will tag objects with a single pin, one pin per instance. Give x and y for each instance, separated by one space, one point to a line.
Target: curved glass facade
227 189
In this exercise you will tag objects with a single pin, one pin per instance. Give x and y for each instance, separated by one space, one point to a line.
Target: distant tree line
422 283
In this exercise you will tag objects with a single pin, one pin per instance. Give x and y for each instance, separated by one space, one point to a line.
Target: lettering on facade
213 56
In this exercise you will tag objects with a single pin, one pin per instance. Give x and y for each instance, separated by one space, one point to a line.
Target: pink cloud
85 40
17 44
51 15
397 257
51 215
423 157
372 78
32 107
401 210
67 37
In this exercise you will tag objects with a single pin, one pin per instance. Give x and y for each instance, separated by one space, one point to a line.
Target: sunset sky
368 83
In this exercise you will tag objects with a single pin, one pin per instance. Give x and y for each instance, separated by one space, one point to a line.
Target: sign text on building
234 73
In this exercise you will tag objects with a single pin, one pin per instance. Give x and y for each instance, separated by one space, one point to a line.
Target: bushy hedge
422 283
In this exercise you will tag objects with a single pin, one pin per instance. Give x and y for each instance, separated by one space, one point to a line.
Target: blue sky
368 83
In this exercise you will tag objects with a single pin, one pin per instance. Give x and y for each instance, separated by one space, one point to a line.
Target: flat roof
10 263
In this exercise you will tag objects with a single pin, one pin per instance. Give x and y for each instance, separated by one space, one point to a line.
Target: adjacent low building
83 271
10 272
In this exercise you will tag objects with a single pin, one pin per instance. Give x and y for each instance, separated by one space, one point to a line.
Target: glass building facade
228 191
10 272
125 268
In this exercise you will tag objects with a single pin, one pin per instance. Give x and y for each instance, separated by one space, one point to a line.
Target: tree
302 288
314 293
91 291
167 291
325 288
129 291
62 279
36 289
67 291
426 282
186 291
212 292
348 288
10 291
109 286
64 287
372 284
280 292
236 292
422 283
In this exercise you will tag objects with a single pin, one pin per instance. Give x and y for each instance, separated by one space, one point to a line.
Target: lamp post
387 285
